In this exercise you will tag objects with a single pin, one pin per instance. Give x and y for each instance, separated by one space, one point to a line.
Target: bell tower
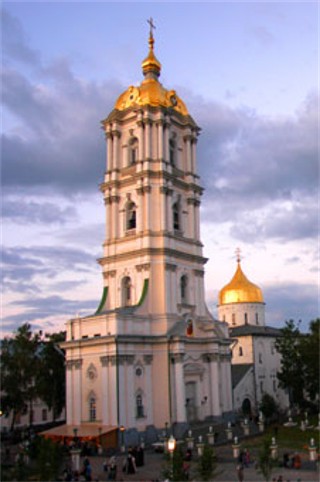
152 196
152 354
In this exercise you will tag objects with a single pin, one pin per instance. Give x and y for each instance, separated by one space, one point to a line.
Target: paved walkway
226 468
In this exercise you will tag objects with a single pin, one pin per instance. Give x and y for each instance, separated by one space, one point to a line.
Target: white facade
254 352
152 354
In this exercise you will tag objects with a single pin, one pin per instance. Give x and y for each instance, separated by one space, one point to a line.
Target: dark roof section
238 372
245 330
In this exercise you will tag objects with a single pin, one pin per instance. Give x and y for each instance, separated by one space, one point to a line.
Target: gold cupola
150 92
240 290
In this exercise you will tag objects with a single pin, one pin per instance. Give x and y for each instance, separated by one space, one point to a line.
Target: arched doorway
246 407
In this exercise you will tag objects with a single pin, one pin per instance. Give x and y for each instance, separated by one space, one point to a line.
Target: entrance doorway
191 404
246 407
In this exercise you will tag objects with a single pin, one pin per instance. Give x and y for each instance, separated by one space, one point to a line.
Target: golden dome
240 290
150 92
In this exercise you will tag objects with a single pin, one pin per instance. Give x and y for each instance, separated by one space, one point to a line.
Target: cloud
291 301
25 265
24 211
14 41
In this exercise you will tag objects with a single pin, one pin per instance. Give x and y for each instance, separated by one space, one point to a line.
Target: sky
249 75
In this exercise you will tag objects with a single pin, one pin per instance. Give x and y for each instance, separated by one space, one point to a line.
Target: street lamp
122 430
171 448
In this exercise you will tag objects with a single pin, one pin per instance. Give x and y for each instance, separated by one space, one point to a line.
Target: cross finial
238 255
152 26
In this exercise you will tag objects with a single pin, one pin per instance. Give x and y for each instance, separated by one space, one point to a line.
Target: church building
255 361
152 355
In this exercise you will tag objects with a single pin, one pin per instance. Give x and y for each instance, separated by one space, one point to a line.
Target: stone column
187 140
130 399
109 149
70 393
149 389
77 392
147 131
166 134
180 396
105 390
160 139
119 360
194 155
112 390
213 360
141 147
116 164
107 202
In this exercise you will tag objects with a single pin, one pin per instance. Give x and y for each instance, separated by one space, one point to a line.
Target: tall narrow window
246 318
183 288
233 318
257 319
176 216
240 351
92 409
172 152
139 406
133 151
126 291
131 216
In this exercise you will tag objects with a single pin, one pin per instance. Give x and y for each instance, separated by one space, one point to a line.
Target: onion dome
150 92
240 290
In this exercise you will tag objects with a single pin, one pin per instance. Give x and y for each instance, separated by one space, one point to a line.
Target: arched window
133 151
126 291
246 318
257 319
176 216
172 152
240 351
183 288
131 216
92 409
233 318
260 357
139 406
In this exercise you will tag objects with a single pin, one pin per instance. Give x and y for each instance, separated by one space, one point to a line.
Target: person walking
240 474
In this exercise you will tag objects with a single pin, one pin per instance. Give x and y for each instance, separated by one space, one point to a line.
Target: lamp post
122 430
171 448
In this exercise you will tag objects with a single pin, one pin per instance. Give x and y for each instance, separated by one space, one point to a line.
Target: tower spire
151 66
238 255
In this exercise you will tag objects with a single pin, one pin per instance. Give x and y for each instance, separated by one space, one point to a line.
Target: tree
268 405
19 369
291 375
309 350
51 380
174 470
206 467
299 361
266 463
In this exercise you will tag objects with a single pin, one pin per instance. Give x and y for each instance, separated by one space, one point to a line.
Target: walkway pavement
226 468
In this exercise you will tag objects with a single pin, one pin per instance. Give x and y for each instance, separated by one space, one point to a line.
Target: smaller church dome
150 92
240 290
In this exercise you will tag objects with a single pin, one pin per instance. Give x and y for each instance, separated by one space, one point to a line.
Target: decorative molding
170 267
177 357
76 364
148 359
210 357
198 272
142 267
109 274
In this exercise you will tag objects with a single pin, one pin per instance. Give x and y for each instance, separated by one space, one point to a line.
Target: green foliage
309 351
51 380
265 462
31 368
299 361
174 469
268 406
206 467
19 369
48 459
